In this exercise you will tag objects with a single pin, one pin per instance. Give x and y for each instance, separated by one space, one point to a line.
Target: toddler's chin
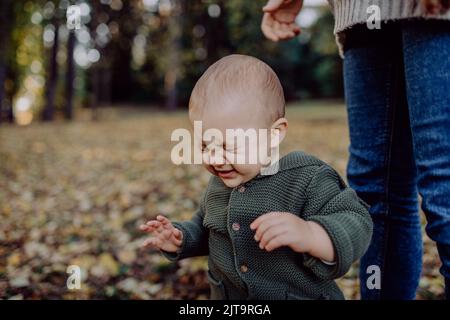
234 182
231 183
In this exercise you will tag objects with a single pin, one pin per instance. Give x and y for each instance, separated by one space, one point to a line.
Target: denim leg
426 48
381 167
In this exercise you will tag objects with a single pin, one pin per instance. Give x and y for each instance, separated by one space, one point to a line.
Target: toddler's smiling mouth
226 174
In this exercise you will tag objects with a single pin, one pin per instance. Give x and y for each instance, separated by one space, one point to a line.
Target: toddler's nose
214 158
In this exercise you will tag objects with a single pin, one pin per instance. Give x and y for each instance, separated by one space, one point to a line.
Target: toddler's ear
274 138
278 132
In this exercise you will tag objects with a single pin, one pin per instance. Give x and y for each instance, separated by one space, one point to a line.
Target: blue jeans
397 88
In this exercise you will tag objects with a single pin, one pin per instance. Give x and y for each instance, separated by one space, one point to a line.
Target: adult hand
278 22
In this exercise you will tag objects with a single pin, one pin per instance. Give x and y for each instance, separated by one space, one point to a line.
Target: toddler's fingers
146 243
153 223
271 233
177 242
264 226
150 226
267 216
156 225
151 243
147 227
165 222
177 233
278 241
167 233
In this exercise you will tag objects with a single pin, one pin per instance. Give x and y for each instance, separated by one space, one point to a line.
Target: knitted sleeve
343 215
195 237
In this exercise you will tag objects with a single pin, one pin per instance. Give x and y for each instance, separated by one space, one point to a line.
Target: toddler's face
230 159
221 159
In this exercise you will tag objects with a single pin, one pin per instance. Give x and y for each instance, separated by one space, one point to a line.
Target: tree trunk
216 40
95 96
70 75
49 110
120 53
171 77
6 14
105 84
2 87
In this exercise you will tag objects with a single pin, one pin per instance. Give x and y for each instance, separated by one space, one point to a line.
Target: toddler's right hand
164 235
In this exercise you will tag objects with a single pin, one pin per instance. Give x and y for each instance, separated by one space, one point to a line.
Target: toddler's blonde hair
238 74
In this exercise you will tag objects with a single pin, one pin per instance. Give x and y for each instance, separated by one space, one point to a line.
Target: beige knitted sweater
348 13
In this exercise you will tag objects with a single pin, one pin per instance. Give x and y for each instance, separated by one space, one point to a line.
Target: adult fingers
277 30
267 27
272 5
295 28
283 31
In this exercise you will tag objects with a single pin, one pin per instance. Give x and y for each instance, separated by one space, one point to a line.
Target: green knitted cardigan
239 269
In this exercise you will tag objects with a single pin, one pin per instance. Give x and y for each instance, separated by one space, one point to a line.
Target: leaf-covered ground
75 193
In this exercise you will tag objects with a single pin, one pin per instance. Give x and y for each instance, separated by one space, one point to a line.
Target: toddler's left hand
278 229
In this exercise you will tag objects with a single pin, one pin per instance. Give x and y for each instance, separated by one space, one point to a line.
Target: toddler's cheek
248 171
210 169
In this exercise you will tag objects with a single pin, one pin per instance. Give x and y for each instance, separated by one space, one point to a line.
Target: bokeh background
85 123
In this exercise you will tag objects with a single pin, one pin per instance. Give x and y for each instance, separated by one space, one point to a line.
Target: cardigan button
241 189
236 226
244 268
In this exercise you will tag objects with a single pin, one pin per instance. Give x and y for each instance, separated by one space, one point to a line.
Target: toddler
286 234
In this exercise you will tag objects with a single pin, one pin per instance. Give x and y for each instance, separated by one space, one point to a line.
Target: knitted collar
292 160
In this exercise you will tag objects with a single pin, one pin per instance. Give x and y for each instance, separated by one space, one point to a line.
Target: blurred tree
327 66
119 51
150 51
70 75
52 73
94 73
113 27
6 16
172 73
